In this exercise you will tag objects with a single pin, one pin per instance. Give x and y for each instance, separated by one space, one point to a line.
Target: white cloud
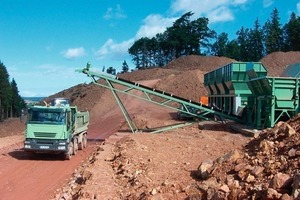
72 53
113 49
108 14
216 11
116 13
119 12
154 24
267 3
221 14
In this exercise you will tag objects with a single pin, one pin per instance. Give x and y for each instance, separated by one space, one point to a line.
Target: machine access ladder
188 107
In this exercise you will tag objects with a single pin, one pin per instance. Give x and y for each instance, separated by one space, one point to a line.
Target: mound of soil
202 63
277 62
187 84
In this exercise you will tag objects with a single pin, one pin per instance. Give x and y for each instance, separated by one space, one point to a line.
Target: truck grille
44 135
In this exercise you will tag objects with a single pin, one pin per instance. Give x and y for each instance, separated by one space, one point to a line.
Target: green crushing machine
227 85
244 89
273 99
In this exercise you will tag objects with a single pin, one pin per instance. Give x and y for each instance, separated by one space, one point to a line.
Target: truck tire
75 146
84 141
80 143
69 154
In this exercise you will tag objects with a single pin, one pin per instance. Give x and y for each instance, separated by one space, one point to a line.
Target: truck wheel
80 143
68 155
84 141
75 146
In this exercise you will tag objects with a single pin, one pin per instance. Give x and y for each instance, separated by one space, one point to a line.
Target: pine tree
5 93
273 33
233 50
243 35
292 34
125 67
219 48
255 43
111 70
17 103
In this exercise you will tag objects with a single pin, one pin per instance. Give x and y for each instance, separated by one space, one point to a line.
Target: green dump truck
56 128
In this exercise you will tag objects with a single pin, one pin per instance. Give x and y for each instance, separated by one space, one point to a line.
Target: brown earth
140 165
277 62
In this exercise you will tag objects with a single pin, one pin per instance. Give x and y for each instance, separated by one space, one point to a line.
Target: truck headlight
27 146
61 147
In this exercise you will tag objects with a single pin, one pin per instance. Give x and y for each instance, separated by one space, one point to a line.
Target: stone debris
266 168
205 169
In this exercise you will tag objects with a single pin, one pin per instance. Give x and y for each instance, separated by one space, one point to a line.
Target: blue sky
42 42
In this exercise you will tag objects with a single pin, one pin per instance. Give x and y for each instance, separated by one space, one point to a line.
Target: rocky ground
204 161
266 168
151 166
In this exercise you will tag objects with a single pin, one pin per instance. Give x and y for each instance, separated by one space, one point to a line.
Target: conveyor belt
174 96
189 107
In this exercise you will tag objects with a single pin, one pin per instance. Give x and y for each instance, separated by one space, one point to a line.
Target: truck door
68 114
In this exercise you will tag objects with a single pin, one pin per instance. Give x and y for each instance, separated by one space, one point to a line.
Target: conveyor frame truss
154 96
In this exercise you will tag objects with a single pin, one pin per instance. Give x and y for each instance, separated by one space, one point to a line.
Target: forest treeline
194 37
11 103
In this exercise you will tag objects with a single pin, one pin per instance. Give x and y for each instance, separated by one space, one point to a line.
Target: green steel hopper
273 99
231 83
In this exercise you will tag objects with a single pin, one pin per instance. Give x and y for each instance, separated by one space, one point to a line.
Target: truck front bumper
45 146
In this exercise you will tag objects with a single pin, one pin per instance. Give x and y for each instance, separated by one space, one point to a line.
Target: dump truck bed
82 122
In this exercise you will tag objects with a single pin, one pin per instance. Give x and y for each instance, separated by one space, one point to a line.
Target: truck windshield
46 116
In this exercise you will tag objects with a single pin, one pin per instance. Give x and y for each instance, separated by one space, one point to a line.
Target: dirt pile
188 84
277 62
203 63
266 168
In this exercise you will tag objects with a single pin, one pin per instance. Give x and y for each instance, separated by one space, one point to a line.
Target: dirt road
25 176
